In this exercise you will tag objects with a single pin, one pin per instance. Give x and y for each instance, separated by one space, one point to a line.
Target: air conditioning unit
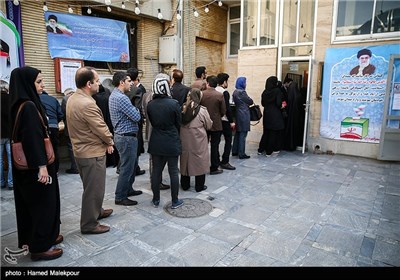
168 50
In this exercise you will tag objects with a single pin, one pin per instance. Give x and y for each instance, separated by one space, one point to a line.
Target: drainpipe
179 24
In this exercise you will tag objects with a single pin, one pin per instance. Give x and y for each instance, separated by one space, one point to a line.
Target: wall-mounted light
107 2
45 7
70 10
206 9
16 2
109 9
89 10
137 10
220 3
195 13
178 15
123 5
159 15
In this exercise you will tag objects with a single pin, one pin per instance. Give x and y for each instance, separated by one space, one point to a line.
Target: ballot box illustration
354 128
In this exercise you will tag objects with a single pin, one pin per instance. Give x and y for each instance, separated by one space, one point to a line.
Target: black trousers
55 141
227 132
199 182
215 139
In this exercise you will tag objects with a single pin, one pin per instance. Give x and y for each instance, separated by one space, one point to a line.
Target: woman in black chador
36 191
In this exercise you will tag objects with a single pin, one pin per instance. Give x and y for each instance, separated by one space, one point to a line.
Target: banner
86 38
14 14
9 44
353 93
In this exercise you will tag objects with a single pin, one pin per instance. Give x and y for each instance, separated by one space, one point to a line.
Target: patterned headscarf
161 85
192 106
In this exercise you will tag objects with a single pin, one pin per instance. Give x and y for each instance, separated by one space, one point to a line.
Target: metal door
389 143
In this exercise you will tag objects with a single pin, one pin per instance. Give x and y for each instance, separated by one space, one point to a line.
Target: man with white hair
364 67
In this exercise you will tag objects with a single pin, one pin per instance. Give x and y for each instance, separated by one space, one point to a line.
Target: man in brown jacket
91 139
214 101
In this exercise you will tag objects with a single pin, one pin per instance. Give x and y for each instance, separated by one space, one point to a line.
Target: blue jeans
5 143
239 143
127 148
156 176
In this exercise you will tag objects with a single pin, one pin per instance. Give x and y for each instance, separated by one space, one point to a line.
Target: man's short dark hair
199 71
84 75
52 17
133 73
118 77
222 77
287 80
177 75
212 81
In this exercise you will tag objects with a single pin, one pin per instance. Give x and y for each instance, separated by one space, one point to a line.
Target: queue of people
182 122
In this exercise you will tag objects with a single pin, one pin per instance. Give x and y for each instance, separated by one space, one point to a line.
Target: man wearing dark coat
178 90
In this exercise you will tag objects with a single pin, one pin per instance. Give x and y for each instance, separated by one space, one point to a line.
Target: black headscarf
270 85
22 88
192 106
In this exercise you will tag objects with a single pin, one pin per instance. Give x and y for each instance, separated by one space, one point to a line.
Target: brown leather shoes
97 230
51 254
106 213
59 239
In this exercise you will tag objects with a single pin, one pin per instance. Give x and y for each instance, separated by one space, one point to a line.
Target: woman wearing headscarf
195 156
242 102
273 122
36 190
164 114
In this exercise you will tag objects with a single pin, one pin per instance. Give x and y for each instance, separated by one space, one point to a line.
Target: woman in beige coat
193 133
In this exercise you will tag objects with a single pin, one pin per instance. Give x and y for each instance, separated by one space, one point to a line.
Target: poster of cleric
353 92
86 37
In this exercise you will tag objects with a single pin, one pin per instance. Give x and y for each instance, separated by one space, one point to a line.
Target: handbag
18 153
255 113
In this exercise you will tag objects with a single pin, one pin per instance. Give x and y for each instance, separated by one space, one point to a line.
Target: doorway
298 69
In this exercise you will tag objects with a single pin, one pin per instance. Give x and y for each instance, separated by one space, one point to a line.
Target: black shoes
216 172
72 171
227 166
234 154
244 157
126 202
140 172
164 186
201 188
133 193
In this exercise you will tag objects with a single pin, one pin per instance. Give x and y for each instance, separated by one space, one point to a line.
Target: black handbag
255 113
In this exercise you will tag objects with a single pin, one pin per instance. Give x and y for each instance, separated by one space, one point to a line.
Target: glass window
298 21
259 22
367 18
250 18
234 30
306 21
268 23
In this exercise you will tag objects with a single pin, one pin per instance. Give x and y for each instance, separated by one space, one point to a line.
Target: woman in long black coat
273 122
36 191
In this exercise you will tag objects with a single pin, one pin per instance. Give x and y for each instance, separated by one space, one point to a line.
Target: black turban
52 17
364 52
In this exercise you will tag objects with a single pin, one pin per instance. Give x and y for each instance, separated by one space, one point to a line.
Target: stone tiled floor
287 211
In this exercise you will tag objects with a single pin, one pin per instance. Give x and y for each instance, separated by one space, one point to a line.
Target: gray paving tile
290 210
